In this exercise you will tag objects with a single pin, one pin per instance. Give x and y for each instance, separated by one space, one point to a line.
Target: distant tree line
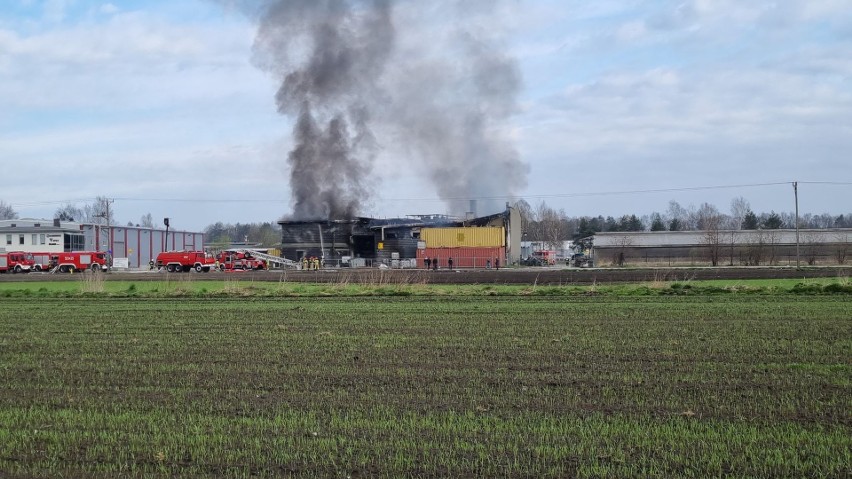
539 223
267 234
551 226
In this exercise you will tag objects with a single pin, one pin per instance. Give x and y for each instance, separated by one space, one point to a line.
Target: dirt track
541 276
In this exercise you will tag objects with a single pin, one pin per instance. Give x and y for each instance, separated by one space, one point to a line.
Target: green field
518 384
187 286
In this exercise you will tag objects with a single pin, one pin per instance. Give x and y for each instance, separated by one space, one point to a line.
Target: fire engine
16 262
79 260
239 260
184 261
42 261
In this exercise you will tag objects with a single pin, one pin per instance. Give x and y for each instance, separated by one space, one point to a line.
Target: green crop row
94 286
433 386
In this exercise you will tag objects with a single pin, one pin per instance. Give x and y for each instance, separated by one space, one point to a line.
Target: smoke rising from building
350 68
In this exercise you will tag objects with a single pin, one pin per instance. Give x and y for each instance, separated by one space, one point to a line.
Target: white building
137 244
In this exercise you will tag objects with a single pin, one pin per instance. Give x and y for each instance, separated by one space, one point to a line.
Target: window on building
35 238
74 242
8 239
20 239
41 239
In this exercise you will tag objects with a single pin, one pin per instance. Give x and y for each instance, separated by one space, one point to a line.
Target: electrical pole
105 215
109 233
796 195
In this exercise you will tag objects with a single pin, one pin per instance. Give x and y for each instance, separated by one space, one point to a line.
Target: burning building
357 78
383 240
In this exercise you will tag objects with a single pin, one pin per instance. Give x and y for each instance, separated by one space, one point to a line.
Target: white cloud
628 94
55 10
108 9
131 60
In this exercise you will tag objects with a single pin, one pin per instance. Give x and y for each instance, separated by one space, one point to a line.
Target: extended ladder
275 260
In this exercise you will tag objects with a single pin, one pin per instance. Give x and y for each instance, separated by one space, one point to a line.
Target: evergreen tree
750 221
773 222
675 225
657 223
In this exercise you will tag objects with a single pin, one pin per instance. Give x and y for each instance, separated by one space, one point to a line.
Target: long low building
723 247
138 244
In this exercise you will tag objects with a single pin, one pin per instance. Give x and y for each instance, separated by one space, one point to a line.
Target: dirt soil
540 276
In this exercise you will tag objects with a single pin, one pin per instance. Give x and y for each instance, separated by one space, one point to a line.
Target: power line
600 193
500 197
457 198
837 183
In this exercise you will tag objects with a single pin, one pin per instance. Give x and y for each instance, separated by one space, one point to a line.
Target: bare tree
711 225
147 221
841 247
527 214
99 212
7 212
755 245
707 216
739 207
678 215
69 212
811 243
772 240
623 244
550 226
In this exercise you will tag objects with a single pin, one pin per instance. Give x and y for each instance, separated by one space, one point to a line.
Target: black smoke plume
420 73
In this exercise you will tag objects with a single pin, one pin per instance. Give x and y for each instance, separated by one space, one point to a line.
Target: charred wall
333 238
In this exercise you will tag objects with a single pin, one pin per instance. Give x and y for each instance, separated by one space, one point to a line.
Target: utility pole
105 215
109 233
796 195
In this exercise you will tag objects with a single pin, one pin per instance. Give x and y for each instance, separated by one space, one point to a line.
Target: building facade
139 245
384 240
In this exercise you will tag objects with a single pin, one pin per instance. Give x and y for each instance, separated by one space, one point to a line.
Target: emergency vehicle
545 257
16 262
239 260
42 261
185 261
79 261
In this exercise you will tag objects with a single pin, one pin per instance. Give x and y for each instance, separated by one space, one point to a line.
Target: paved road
541 276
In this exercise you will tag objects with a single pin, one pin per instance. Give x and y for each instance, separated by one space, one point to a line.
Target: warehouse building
722 247
366 241
137 244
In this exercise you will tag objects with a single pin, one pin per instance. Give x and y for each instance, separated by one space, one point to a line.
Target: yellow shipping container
488 237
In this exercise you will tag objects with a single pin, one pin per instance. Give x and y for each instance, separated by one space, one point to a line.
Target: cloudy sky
160 105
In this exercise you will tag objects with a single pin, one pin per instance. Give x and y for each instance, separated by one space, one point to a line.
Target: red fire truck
79 261
42 261
16 262
184 261
239 260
